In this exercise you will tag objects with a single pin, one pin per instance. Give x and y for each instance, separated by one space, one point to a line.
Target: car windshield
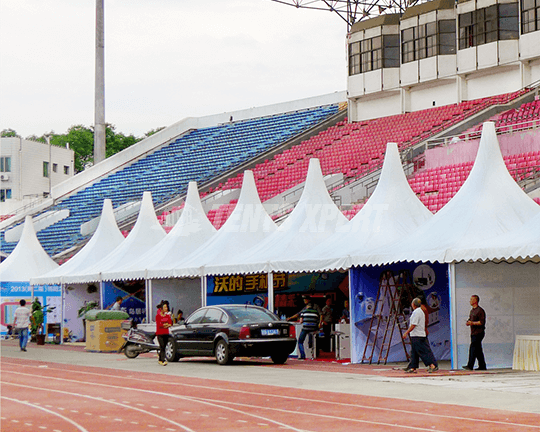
249 315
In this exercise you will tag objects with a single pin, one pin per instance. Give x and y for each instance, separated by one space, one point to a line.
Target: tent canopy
146 233
248 225
106 238
314 218
190 231
28 259
489 204
392 212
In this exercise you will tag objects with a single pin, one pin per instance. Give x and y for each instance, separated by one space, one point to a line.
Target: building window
55 167
45 169
447 37
497 22
390 51
66 170
530 16
428 40
5 164
372 54
5 194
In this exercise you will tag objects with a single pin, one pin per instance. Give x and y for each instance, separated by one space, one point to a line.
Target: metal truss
352 11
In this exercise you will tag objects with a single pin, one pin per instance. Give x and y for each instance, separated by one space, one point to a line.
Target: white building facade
442 52
28 171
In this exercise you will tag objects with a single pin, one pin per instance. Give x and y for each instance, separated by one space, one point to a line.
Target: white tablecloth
527 353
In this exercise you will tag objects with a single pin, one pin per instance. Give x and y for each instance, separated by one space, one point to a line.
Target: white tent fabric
28 259
146 233
392 212
314 219
248 225
489 204
521 244
106 238
190 231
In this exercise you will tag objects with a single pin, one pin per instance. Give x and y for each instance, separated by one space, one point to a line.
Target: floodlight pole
99 107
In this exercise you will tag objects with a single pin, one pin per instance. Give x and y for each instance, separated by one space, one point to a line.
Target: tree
9 133
116 142
81 141
153 131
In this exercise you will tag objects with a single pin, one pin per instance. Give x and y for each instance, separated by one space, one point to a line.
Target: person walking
420 348
477 323
309 317
163 322
21 323
116 305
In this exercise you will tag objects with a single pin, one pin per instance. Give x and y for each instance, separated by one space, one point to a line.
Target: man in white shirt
22 322
420 348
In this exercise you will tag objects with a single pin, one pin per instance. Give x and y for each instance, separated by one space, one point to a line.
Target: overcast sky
164 60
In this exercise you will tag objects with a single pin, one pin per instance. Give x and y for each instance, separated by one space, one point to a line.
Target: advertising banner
13 292
401 281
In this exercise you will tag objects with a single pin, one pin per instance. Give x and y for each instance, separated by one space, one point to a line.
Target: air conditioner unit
4 177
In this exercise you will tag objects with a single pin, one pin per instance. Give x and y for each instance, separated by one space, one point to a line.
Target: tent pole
453 315
62 314
149 293
204 283
271 291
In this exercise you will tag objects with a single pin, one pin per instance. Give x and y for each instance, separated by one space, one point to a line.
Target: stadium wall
519 142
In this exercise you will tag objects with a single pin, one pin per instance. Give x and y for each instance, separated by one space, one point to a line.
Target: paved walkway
495 389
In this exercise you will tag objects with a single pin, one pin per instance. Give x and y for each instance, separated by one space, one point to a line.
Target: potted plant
38 317
87 306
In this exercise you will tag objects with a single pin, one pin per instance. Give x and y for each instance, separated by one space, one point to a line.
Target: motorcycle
138 341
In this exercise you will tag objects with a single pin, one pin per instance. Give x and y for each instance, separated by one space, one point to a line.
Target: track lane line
394 410
77 425
186 398
187 429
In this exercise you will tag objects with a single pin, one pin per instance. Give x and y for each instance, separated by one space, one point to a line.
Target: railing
526 125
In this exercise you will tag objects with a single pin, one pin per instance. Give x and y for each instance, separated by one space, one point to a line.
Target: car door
211 325
187 337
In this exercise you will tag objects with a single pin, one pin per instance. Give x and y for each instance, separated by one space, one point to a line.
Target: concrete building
28 171
442 52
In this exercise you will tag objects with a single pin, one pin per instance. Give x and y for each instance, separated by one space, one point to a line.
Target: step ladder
395 294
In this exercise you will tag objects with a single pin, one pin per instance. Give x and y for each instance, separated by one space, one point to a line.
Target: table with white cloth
527 353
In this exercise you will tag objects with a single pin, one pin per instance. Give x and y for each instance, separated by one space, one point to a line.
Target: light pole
99 107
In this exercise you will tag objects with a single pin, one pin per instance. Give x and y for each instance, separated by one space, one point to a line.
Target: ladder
394 294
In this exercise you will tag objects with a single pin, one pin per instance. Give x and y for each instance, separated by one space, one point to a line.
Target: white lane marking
155 407
42 427
262 424
140 404
88 414
241 421
61 409
102 416
120 420
15 421
77 425
74 411
99 399
187 412
49 406
134 422
192 399
368 407
170 409
152 426
223 418
205 415
28 424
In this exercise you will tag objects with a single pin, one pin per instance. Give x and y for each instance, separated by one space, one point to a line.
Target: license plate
270 332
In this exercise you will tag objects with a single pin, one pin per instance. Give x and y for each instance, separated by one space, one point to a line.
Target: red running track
39 396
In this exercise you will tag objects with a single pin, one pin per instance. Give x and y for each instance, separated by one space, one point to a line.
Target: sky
164 60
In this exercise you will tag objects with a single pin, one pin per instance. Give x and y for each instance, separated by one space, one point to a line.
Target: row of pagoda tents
486 237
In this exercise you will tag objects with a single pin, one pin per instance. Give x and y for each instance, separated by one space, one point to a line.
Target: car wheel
223 355
280 358
170 351
131 351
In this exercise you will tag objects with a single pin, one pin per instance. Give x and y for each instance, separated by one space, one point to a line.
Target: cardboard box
104 335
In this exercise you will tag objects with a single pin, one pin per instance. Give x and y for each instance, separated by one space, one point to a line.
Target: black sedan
229 331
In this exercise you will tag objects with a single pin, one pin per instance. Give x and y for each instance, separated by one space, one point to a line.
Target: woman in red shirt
163 322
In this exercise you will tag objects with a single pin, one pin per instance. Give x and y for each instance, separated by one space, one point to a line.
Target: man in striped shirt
310 318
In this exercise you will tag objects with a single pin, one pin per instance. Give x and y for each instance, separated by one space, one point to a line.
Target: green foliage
88 306
81 140
8 133
38 315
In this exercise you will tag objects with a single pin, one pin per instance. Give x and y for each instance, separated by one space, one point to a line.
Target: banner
407 280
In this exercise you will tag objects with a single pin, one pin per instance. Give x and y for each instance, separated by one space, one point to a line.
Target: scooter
138 342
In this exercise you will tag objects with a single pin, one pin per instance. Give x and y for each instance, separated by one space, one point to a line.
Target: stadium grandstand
425 79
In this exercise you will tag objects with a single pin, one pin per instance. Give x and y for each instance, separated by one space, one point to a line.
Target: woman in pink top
163 322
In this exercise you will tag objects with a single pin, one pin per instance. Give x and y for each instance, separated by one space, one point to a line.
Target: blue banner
409 280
